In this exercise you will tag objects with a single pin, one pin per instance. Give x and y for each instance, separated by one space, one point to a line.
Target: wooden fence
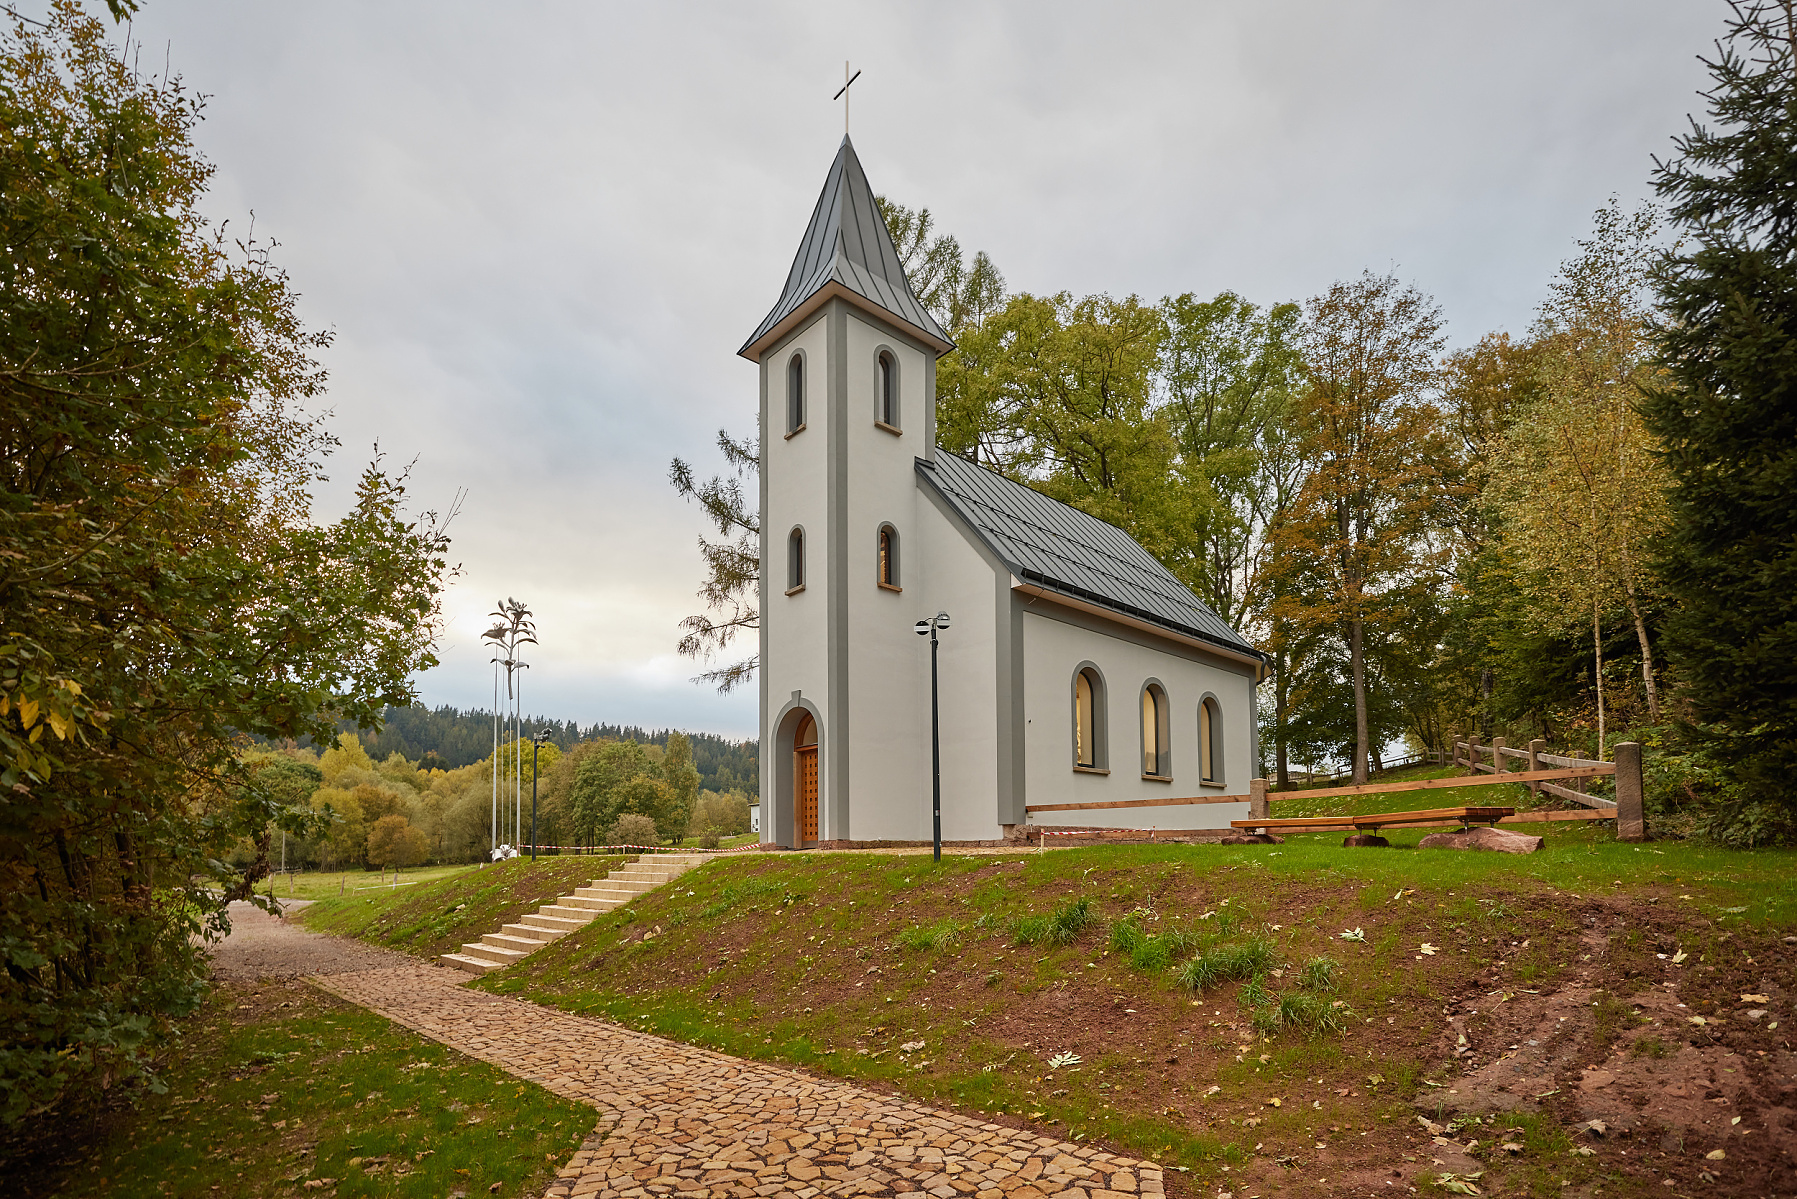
1473 756
1546 772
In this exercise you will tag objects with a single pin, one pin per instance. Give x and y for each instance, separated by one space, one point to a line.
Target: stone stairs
558 919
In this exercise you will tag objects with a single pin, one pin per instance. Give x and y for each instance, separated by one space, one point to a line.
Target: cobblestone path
677 1120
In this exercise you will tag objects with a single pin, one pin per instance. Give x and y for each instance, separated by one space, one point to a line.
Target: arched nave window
1088 719
1210 741
1157 756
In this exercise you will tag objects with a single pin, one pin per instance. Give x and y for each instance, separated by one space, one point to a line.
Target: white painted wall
888 667
959 581
796 482
1052 651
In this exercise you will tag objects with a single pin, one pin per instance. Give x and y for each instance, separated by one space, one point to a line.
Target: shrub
633 829
709 839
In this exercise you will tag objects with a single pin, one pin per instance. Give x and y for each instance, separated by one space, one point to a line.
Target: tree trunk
1597 640
1360 731
1279 721
1653 697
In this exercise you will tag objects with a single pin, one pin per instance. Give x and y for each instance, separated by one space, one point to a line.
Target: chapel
1077 674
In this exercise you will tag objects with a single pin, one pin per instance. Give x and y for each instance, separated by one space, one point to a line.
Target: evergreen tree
1729 419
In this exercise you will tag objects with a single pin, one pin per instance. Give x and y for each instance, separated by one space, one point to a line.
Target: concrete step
517 944
606 890
636 877
622 884
607 897
558 919
492 953
594 904
565 910
462 961
535 933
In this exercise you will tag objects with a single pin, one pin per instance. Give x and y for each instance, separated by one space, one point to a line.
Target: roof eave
807 307
1245 655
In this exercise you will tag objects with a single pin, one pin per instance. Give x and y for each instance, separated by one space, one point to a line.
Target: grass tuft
1061 927
1227 963
940 937
1320 974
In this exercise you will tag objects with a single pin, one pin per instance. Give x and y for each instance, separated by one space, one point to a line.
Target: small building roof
847 245
1059 548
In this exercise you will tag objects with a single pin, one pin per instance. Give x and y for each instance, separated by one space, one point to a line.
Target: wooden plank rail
1163 802
1521 776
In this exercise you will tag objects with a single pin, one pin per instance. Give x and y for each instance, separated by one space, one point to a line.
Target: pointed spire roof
847 251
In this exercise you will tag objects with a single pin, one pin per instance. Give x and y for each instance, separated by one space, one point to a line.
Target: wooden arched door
804 781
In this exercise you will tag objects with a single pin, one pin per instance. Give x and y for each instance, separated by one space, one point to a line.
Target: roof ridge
1082 555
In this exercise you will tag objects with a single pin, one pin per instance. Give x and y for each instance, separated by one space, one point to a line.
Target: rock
1367 840
1253 839
1500 840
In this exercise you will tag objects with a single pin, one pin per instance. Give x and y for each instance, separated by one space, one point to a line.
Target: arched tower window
1210 741
889 557
1157 757
889 404
1088 719
795 560
795 394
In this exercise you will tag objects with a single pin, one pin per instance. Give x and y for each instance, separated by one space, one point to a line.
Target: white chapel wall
1053 650
888 664
795 478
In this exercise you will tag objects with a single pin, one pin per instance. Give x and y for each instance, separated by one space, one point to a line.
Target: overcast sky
541 231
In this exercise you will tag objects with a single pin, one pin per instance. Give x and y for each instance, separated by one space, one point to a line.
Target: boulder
1252 839
1500 840
1367 840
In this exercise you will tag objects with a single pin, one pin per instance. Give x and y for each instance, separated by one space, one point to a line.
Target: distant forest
448 737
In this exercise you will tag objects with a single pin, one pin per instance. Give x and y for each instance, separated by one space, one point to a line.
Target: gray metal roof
847 243
1060 548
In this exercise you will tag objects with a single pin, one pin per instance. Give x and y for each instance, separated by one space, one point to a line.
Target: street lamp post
536 743
929 628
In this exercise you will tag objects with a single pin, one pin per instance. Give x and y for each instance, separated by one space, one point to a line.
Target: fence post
1257 799
1497 755
1535 748
1631 819
1452 757
1472 752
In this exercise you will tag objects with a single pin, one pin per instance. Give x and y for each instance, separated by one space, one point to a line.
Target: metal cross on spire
843 95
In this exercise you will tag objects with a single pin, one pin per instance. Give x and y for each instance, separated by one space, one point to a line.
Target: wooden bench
1373 821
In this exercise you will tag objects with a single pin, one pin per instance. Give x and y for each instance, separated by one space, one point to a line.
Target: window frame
795 393
795 560
1154 691
888 414
886 558
1210 741
1099 719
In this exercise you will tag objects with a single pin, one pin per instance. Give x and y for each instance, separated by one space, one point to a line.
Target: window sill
795 590
1090 770
1214 784
1157 778
795 432
890 587
896 432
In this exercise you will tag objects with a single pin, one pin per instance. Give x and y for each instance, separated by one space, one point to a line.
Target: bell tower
848 384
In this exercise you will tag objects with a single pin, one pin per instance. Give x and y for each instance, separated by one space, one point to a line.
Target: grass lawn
947 983
316 884
277 1085
437 916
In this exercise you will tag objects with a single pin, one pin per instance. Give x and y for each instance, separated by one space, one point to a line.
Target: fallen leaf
1510 1147
1756 999
1275 1102
1678 957
1427 948
1697 1019
1714 1155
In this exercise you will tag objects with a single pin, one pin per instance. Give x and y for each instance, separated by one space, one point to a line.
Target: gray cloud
540 232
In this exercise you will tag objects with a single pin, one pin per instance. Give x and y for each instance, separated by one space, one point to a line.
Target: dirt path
677 1120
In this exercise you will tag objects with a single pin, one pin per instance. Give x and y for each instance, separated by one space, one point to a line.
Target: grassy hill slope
970 983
